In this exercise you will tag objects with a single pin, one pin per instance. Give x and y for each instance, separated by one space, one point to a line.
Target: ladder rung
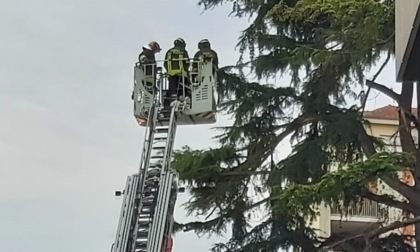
149 198
154 173
141 245
159 148
144 220
150 194
161 138
145 216
146 210
164 119
141 242
159 156
144 225
152 178
162 130
150 190
142 231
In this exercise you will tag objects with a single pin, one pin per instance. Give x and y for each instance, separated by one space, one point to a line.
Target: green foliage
326 46
332 40
298 199
391 243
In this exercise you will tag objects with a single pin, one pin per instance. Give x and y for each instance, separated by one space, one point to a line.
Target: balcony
357 217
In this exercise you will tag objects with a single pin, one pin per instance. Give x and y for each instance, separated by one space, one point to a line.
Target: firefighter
147 60
205 53
177 64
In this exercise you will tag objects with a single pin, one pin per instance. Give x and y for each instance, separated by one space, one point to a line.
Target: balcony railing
365 208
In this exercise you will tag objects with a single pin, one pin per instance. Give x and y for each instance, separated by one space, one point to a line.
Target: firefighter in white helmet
147 60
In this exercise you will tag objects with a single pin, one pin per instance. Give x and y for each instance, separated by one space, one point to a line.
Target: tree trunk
416 170
407 141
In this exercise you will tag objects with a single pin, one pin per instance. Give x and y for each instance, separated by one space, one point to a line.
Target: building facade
381 123
407 40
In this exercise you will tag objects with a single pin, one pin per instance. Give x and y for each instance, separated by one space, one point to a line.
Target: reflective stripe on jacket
177 62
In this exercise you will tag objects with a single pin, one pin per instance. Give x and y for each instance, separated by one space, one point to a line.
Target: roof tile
387 113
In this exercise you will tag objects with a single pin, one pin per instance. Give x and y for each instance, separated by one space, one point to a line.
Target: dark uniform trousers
175 87
176 64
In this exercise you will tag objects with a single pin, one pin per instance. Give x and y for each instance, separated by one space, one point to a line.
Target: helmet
154 46
180 42
204 43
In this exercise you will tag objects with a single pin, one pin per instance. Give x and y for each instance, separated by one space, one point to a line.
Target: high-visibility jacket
177 61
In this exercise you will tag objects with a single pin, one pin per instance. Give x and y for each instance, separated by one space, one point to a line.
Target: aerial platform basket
202 90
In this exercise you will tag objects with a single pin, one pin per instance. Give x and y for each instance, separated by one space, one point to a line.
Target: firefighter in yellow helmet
205 53
177 64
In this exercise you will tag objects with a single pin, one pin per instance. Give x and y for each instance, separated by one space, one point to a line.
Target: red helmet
154 46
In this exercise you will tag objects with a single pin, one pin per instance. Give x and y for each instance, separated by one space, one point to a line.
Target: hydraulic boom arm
146 216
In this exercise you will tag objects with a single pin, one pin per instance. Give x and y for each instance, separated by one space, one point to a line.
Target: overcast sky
68 139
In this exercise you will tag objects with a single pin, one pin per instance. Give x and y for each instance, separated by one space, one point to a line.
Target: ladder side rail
153 236
123 232
175 192
131 208
159 81
161 88
160 218
147 145
123 216
143 170
171 138
172 201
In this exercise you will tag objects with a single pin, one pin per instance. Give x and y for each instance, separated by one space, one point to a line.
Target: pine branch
261 154
404 189
366 143
395 225
397 97
199 224
381 68
388 57
412 118
387 200
385 90
245 173
369 234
